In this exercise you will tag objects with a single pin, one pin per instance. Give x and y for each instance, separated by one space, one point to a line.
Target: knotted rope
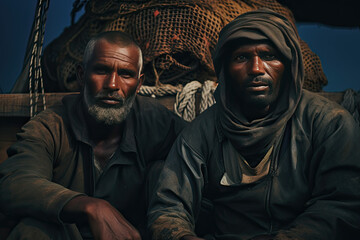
207 95
185 101
351 102
184 106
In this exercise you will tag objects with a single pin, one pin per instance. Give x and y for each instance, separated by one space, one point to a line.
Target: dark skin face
112 70
255 71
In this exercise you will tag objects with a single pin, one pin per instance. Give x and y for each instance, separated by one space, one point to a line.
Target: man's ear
141 80
80 72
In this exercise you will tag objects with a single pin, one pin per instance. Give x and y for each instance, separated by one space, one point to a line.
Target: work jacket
53 162
311 191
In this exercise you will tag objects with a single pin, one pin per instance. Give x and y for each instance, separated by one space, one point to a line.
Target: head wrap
256 137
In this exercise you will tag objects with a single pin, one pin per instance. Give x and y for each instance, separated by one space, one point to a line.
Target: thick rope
35 74
160 91
185 96
351 102
185 101
207 95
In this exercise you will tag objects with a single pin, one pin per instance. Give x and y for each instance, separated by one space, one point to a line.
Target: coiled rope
185 106
160 91
185 99
207 95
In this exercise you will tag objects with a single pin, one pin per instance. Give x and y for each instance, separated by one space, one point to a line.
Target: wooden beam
17 105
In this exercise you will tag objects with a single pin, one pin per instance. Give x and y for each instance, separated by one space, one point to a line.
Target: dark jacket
312 190
52 161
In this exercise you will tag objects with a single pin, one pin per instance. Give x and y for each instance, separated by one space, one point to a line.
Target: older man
275 161
83 169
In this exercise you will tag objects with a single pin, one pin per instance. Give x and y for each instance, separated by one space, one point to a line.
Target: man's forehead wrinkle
117 56
112 50
109 56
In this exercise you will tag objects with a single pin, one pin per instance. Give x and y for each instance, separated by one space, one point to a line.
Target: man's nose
256 66
113 82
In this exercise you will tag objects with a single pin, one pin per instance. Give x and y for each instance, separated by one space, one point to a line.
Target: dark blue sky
338 48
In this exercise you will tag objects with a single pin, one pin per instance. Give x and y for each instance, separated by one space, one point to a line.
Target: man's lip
109 100
257 86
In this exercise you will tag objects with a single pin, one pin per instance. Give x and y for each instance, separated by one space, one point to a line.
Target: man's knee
30 228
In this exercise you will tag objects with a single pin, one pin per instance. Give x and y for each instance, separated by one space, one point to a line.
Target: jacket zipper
268 192
273 167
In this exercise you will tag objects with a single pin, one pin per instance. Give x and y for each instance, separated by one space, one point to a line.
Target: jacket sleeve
176 200
333 211
26 187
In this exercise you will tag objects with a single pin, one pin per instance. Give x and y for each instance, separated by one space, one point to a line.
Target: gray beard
108 114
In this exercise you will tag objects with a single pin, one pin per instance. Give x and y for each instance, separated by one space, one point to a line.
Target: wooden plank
17 105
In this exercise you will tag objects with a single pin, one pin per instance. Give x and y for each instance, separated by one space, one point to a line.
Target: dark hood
257 136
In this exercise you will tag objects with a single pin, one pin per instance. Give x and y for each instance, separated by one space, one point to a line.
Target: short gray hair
121 39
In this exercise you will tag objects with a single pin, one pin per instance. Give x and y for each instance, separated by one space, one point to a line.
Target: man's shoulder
322 112
316 104
52 114
57 114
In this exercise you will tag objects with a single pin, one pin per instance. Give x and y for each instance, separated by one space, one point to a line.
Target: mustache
258 81
109 95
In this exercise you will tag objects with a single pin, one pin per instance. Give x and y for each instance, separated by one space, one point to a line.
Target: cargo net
177 38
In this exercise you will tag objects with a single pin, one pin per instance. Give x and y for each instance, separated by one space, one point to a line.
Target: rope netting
177 38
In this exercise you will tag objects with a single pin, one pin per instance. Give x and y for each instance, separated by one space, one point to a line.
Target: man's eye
101 71
126 74
269 57
240 58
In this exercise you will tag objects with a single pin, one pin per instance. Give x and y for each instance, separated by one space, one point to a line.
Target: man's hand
104 220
